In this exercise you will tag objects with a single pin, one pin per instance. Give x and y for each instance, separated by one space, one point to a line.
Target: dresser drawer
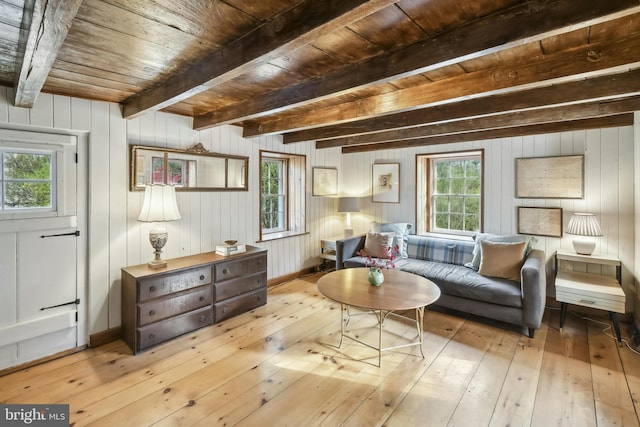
173 327
590 290
173 305
240 285
233 306
158 286
240 267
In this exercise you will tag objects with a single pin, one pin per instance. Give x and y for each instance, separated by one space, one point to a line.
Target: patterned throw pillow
376 244
401 232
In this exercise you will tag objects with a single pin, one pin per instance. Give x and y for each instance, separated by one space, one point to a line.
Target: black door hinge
77 301
73 233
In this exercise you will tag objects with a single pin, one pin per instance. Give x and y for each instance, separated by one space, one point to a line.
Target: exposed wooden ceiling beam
579 91
48 26
625 119
519 118
610 57
301 25
524 23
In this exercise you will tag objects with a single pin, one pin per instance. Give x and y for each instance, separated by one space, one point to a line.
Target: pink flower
387 262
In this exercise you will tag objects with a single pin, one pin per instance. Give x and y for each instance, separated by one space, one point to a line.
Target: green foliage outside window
273 197
456 199
27 180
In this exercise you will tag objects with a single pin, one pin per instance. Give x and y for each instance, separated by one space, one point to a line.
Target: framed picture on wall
550 177
540 221
386 182
325 181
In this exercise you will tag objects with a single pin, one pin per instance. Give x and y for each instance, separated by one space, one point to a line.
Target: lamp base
583 245
158 238
348 232
157 264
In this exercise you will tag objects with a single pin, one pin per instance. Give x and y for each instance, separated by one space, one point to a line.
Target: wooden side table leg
563 314
616 326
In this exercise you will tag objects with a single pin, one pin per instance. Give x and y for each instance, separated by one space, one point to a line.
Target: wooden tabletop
400 290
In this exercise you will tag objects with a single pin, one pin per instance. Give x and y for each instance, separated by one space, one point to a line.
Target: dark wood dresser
191 292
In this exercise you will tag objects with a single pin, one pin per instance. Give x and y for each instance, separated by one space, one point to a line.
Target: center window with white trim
450 191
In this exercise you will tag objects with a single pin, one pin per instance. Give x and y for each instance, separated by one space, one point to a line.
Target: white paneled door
39 255
40 313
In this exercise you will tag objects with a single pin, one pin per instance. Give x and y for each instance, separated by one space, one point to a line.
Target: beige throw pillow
376 244
502 260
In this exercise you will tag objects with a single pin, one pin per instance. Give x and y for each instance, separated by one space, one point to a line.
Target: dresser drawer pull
202 319
152 313
152 289
201 298
586 301
225 271
224 310
202 277
152 336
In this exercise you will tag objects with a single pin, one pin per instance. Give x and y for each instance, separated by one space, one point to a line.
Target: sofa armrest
534 289
347 248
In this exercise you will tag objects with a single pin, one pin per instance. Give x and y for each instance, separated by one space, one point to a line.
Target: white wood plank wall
116 239
609 189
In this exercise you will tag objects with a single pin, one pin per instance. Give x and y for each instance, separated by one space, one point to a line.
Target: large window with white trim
449 192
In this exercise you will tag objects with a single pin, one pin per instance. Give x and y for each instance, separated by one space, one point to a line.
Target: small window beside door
282 195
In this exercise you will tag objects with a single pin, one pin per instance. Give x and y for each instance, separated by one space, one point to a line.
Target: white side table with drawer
590 290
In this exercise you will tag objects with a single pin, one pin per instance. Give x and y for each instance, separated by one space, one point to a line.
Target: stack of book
226 249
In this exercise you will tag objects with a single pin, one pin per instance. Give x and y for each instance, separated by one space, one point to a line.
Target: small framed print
325 181
386 182
540 221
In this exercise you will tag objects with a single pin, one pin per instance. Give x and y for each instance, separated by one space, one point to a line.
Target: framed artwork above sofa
550 177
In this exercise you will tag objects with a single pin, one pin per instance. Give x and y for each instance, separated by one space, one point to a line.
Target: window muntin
27 180
273 212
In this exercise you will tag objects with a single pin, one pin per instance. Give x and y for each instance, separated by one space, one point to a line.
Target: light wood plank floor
278 366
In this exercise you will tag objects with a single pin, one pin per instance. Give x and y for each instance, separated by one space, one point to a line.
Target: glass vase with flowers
376 265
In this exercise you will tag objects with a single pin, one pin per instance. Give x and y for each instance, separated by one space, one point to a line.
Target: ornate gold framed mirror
193 169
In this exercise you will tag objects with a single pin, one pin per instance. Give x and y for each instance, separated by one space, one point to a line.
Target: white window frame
63 149
294 194
281 196
425 207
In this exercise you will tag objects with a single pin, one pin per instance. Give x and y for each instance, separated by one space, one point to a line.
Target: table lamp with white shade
348 205
159 205
585 227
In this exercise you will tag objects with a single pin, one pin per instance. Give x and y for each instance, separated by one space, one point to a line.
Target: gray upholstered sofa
463 288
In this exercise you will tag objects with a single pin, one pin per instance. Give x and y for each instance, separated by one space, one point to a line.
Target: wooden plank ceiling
358 74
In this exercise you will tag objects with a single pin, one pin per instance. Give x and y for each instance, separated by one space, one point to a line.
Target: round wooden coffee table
400 291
